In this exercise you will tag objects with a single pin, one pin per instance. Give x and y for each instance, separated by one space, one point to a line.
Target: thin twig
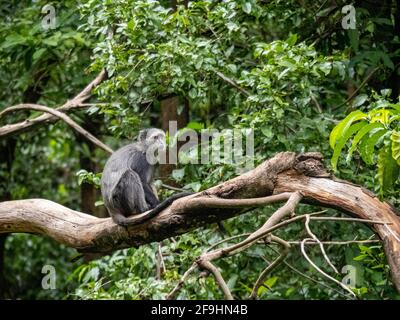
160 265
367 78
179 285
247 234
312 235
340 243
321 271
349 219
316 103
272 265
232 83
166 186
305 275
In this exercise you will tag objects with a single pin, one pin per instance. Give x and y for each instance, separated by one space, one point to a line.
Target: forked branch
300 177
76 102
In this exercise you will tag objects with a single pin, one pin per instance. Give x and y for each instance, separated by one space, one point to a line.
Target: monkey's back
116 167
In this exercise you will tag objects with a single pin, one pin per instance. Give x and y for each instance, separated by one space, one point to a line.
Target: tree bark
285 172
169 112
89 193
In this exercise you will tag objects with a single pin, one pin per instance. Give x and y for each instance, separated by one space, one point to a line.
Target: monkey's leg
128 195
150 197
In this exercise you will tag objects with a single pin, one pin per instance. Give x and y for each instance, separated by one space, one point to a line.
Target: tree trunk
169 112
89 193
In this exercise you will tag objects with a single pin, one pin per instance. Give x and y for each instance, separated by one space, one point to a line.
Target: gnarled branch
286 172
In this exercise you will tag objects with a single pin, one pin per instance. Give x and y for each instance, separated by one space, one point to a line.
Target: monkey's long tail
160 207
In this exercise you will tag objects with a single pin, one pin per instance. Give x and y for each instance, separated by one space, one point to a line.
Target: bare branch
87 91
302 176
179 286
167 186
313 236
218 277
233 83
76 102
321 271
286 248
63 117
236 203
205 259
340 243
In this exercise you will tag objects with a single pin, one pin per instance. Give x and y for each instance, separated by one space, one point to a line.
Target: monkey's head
152 137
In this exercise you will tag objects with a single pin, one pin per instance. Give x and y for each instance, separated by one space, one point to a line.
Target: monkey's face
152 137
155 145
156 138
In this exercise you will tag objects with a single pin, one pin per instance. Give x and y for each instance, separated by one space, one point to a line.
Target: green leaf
195 186
38 54
195 125
354 38
99 203
359 100
388 170
232 281
246 6
271 282
367 146
178 174
13 40
267 131
344 125
395 137
360 134
342 141
387 61
324 12
292 40
360 257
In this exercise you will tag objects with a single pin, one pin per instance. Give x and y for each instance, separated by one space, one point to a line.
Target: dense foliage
286 69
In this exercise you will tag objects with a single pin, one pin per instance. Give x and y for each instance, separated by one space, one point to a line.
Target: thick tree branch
286 172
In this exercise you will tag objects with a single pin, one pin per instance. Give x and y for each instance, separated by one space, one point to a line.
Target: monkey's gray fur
126 183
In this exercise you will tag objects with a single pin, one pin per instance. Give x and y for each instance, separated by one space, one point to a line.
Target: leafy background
300 75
